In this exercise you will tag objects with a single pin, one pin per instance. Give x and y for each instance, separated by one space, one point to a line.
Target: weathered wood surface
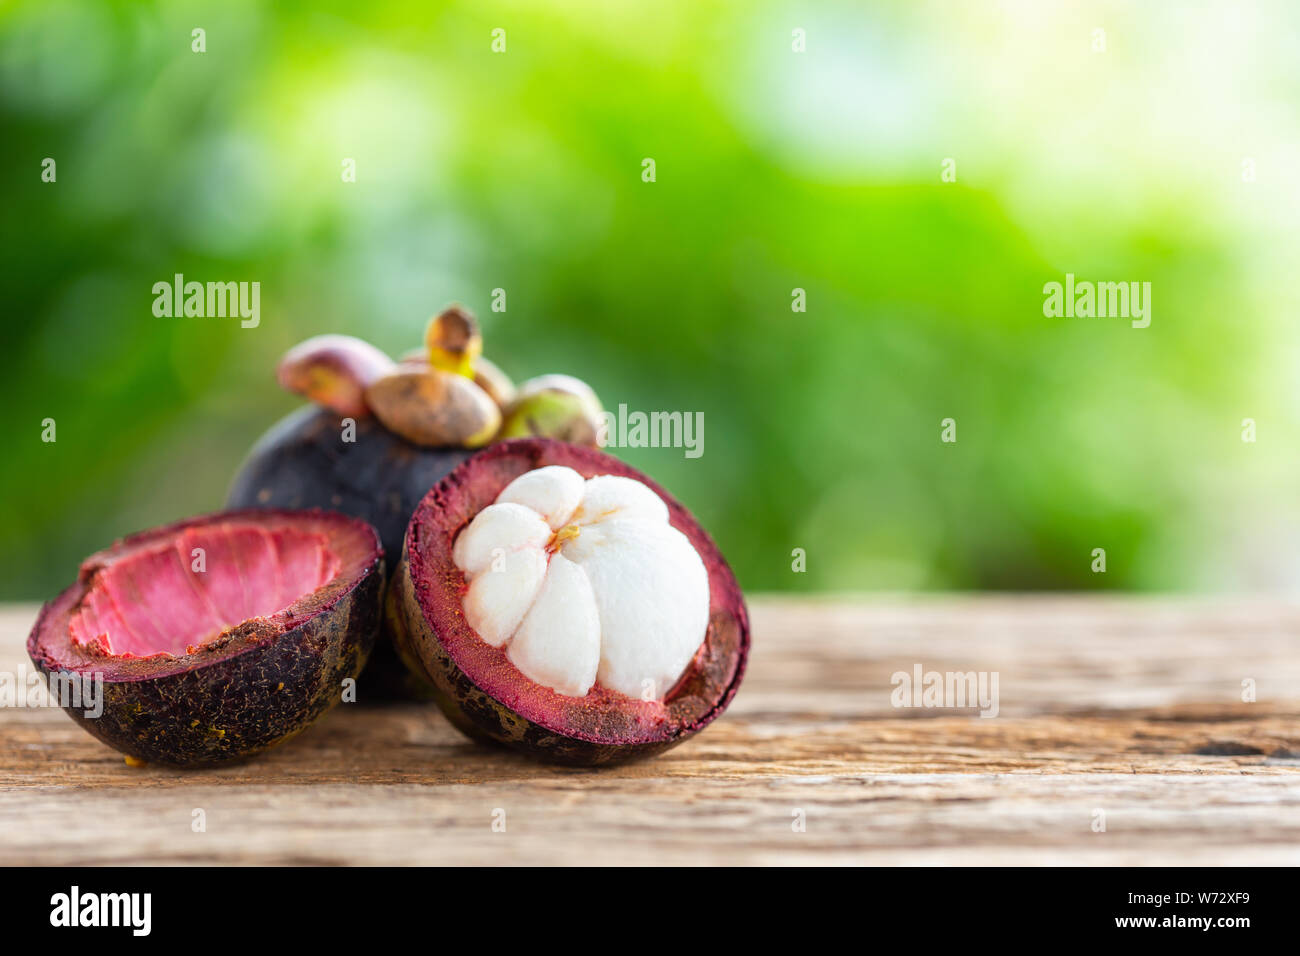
1127 706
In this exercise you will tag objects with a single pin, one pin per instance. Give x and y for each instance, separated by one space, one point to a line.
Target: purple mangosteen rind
257 685
424 614
302 461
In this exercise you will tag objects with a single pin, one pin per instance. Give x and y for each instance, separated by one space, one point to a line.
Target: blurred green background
776 170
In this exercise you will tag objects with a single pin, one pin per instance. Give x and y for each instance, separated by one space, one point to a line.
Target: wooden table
1118 709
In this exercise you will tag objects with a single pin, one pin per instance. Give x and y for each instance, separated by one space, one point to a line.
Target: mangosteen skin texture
703 693
200 712
303 462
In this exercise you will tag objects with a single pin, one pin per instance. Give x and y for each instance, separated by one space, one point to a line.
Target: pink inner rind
182 593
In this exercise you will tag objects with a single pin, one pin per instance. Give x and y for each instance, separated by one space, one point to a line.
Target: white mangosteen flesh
584 581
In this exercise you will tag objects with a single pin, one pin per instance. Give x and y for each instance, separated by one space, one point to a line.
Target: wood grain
1132 707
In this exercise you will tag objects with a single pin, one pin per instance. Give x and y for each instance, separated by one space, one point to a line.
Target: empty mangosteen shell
303 462
426 571
258 685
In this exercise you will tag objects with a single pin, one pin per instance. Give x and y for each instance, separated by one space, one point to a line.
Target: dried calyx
489 377
554 406
334 371
444 395
432 408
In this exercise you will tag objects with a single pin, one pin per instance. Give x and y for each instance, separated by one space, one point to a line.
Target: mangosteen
218 637
384 433
562 603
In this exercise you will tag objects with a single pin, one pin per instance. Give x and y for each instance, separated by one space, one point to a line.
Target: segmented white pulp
584 581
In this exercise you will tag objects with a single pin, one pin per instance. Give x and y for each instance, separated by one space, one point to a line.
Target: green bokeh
775 170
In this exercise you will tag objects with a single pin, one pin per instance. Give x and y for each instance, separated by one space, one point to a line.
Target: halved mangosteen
564 604
217 637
